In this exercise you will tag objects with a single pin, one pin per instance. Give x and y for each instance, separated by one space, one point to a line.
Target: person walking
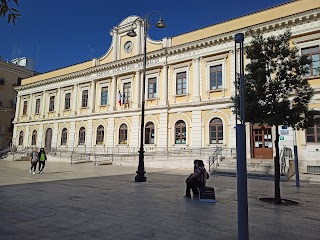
42 159
34 160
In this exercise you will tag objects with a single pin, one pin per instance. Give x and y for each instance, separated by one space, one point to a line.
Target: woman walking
34 161
42 159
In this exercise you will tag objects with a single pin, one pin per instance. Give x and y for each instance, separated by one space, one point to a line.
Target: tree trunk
277 196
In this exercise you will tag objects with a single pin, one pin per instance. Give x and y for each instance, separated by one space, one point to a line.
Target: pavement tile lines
87 202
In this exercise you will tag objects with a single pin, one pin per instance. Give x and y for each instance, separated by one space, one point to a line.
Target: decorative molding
181 65
215 58
274 25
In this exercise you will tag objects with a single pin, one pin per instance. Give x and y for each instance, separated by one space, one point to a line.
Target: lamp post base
140 177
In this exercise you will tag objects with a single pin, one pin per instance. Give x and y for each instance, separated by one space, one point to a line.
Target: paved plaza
83 201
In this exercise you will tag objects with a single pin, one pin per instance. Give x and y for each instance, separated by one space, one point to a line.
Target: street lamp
242 191
140 177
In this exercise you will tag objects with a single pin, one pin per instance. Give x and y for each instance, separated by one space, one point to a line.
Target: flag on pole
123 98
119 98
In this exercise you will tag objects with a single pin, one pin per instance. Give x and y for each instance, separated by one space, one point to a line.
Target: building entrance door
261 142
48 138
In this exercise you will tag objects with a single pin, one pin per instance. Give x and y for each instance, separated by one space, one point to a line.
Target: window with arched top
34 138
149 133
100 135
216 131
123 134
180 132
64 136
82 136
21 138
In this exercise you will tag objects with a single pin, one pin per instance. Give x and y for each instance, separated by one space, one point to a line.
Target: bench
207 194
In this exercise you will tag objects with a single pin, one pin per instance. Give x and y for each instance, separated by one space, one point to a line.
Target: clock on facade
128 46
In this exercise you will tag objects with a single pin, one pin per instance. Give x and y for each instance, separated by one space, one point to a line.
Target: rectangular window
313 134
123 136
152 87
37 109
85 99
216 77
126 93
51 104
25 108
67 101
314 54
149 135
104 96
181 83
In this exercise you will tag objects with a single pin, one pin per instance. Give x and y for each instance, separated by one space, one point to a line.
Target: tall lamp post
140 177
242 192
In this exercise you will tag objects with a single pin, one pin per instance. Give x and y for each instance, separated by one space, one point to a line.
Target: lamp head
160 23
131 33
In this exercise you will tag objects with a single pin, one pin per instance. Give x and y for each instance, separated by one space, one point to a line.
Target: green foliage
276 93
12 13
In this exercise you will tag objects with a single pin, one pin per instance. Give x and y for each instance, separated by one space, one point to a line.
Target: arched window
82 136
123 134
149 130
181 132
216 131
21 138
100 135
64 136
34 138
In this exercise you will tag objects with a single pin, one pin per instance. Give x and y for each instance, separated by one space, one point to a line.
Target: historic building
10 76
96 105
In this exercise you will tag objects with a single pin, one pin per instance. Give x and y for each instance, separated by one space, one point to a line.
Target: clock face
128 46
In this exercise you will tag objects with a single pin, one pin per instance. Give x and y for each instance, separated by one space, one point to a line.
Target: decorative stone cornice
274 25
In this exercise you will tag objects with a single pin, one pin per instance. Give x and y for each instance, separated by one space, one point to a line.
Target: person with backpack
42 159
197 179
34 160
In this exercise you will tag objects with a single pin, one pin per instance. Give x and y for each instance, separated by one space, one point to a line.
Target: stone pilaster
137 90
162 131
196 82
110 133
164 99
92 96
196 130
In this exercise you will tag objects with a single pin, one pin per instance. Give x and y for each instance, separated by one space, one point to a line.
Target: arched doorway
48 139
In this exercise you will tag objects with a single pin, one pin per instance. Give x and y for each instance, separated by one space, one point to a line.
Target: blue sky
60 33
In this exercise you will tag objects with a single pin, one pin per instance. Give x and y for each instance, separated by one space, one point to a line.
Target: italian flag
119 98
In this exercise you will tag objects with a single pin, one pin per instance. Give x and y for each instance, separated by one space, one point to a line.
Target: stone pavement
84 201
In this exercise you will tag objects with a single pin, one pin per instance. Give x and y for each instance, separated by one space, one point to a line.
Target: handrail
214 156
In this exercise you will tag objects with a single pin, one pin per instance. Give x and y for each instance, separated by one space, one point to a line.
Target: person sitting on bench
197 179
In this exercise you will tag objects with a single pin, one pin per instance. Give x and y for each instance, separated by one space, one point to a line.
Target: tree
6 9
276 93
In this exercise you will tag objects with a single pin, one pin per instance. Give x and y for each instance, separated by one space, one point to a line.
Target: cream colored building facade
189 84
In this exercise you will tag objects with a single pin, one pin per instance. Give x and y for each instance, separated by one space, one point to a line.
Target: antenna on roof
35 68
91 50
19 52
13 51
